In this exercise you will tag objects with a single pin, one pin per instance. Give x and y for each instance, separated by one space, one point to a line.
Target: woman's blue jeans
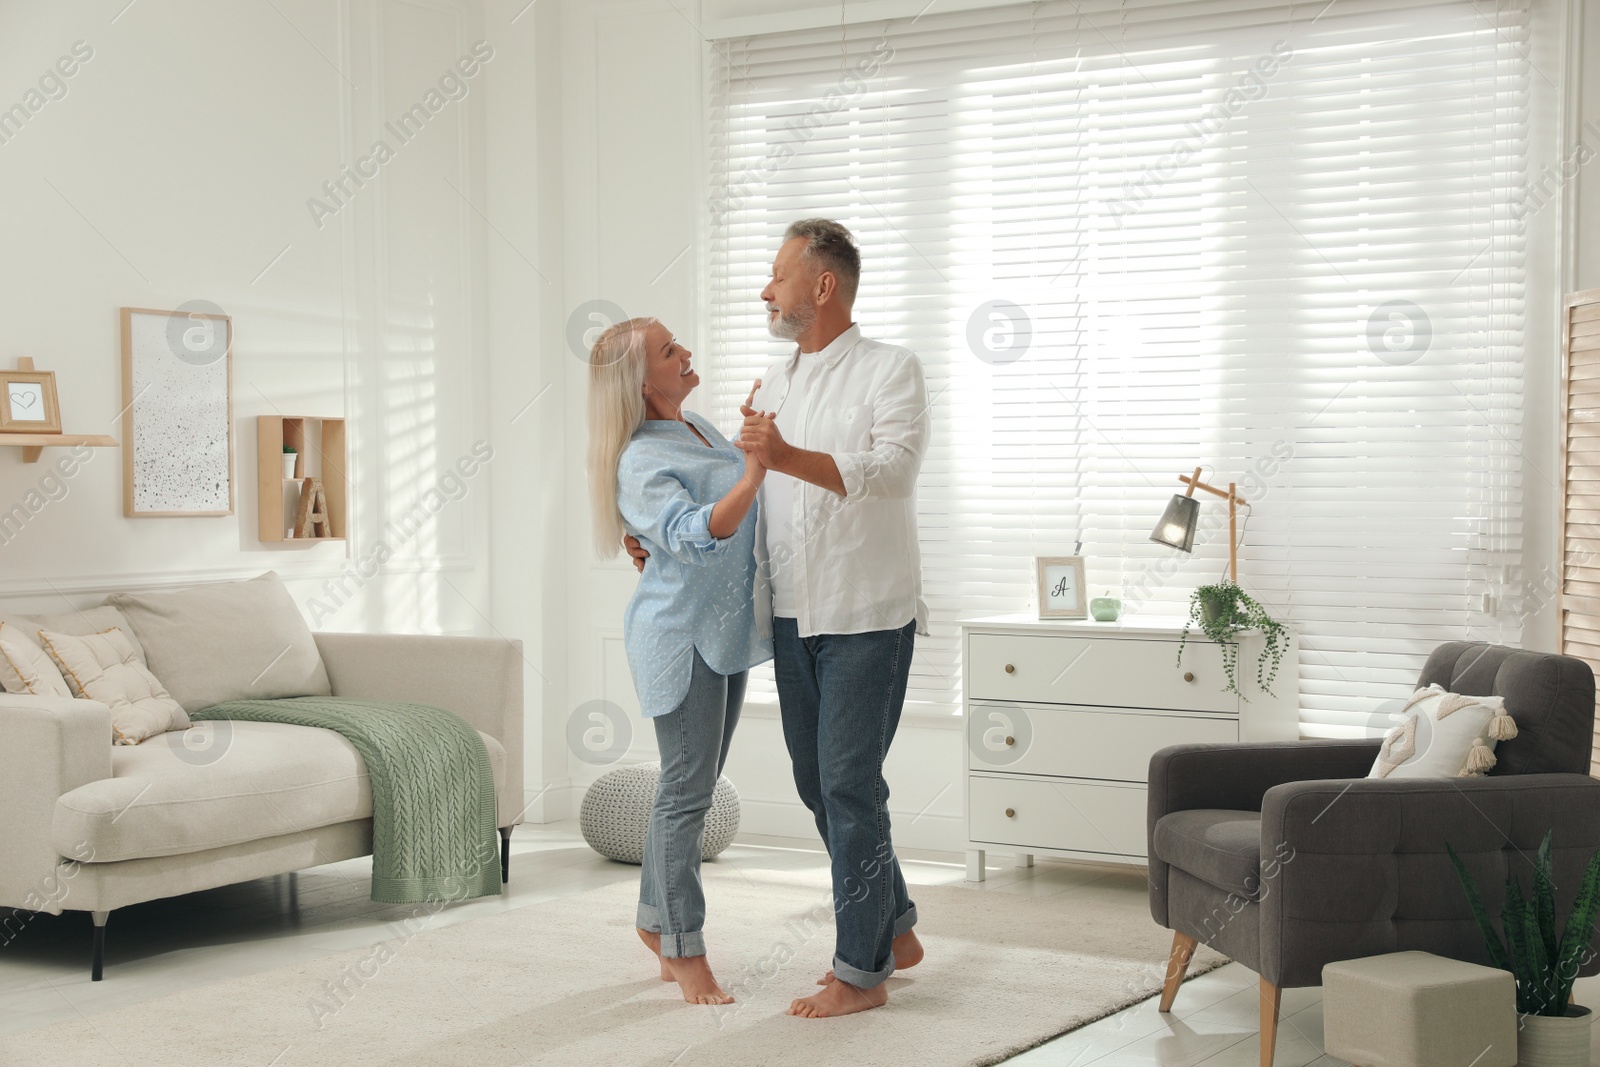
693 739
841 696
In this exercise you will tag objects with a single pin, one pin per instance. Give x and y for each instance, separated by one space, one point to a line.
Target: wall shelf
320 443
33 444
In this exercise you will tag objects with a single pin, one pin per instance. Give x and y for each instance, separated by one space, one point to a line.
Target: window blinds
1282 241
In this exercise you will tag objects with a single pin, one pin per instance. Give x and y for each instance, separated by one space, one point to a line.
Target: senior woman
667 477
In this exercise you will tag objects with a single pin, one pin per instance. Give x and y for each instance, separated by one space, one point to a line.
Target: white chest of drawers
1062 718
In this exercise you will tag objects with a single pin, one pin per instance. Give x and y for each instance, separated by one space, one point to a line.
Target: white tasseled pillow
1444 735
105 667
26 669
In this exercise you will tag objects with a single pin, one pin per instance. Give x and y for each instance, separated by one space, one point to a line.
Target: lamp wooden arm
1232 497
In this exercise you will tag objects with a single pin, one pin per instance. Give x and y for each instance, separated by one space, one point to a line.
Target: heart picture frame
28 402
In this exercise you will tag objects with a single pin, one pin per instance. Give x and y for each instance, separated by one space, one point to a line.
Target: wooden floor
174 945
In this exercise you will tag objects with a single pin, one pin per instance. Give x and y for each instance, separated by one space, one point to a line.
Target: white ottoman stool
1415 1009
615 815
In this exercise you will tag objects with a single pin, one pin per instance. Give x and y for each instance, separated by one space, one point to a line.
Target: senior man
841 424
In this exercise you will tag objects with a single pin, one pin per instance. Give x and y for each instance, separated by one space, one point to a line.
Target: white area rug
567 982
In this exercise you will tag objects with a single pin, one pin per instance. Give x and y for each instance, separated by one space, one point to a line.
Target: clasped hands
759 437
763 447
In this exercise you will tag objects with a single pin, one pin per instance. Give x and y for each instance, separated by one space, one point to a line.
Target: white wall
177 167
1584 67
531 400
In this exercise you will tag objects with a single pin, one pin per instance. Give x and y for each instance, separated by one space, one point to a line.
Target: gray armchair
1284 856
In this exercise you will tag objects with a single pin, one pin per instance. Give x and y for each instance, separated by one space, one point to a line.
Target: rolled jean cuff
680 946
673 946
861 979
907 920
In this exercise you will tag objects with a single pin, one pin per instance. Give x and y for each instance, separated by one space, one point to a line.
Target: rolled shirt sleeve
900 430
658 506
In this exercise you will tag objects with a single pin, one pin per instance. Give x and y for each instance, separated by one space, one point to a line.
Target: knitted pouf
616 813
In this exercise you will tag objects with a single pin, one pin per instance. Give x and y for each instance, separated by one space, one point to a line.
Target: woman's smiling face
669 377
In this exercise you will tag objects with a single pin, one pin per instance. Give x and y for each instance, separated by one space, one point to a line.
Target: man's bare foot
839 998
907 953
653 941
694 977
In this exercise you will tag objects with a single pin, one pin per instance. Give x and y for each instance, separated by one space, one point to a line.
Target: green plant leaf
1498 955
1512 919
1540 976
1544 896
1222 612
1579 930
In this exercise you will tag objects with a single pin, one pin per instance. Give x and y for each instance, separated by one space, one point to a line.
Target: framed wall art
28 402
1059 580
177 421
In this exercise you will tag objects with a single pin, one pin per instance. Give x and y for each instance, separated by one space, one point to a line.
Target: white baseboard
551 803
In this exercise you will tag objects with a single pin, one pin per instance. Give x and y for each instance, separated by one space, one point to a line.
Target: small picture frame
1059 581
28 402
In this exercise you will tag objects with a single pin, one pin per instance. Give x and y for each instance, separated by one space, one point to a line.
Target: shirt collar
667 426
835 349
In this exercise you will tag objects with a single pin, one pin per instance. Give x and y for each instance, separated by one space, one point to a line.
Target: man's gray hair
831 247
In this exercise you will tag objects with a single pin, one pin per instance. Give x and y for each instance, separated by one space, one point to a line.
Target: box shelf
322 453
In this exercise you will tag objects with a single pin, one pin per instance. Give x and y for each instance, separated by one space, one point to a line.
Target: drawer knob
1011 813
1188 676
1011 668
1011 740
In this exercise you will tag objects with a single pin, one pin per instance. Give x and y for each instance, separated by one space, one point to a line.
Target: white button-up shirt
853 558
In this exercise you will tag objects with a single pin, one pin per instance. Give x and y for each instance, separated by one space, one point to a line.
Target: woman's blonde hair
616 410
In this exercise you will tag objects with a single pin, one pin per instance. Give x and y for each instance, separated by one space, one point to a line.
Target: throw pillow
26 669
104 667
228 641
1444 735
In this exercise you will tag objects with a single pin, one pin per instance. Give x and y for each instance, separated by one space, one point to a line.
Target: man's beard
790 326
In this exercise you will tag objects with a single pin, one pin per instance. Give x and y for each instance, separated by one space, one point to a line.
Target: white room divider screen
1281 240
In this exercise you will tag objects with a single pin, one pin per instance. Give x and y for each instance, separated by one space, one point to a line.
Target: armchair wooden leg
1177 965
1271 997
505 854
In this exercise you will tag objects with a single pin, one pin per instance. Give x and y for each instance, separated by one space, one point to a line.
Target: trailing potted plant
1553 1032
1222 612
290 456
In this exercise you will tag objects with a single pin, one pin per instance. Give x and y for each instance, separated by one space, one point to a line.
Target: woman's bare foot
839 998
907 953
694 977
653 941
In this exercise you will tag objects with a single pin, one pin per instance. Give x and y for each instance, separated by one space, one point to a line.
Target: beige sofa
85 826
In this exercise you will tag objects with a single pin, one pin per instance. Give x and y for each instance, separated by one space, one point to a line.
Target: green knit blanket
434 834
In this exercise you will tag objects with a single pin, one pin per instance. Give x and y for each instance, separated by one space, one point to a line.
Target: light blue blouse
696 591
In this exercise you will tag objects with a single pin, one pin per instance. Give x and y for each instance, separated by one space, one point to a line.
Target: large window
1282 241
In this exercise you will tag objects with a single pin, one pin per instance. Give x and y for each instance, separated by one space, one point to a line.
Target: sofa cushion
25 668
1220 847
103 667
219 783
227 641
1444 735
76 623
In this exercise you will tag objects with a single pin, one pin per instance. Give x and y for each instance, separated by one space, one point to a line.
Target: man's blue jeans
694 740
841 696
